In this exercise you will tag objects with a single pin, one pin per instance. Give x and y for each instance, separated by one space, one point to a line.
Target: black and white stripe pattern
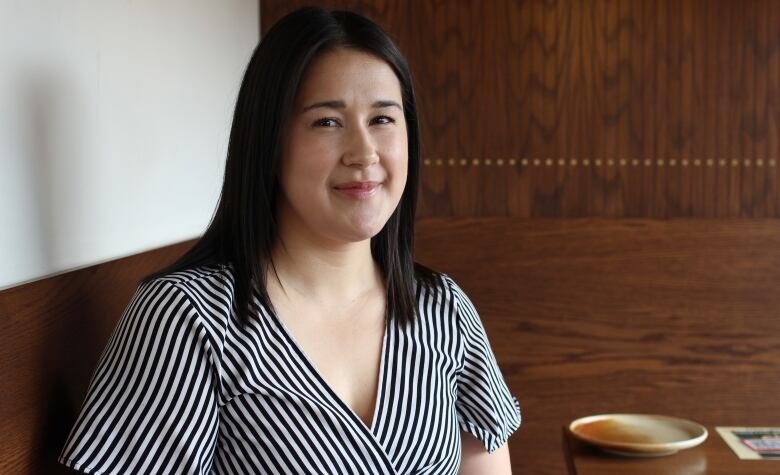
181 388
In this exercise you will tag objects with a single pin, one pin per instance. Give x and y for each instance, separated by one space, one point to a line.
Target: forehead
348 74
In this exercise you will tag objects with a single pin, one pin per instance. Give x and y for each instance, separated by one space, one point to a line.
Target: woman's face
347 128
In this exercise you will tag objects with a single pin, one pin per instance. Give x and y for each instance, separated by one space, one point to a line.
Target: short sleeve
151 406
484 405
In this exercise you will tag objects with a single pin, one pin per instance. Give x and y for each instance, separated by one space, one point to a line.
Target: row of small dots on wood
597 162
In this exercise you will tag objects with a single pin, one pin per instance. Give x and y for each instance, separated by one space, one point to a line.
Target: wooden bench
585 317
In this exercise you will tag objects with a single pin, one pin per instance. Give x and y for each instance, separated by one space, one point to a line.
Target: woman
298 336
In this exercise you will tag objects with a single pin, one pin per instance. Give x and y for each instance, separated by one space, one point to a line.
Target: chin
360 234
363 236
360 228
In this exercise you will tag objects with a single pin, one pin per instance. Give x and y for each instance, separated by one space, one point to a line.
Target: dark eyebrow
380 104
341 105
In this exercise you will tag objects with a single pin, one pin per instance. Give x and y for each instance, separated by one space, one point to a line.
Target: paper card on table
753 443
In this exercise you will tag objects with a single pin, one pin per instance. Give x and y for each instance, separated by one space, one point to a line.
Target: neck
323 273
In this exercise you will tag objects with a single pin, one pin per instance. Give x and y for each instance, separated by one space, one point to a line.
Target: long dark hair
243 229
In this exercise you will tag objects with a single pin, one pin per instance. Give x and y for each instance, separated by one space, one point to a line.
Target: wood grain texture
673 317
52 332
652 88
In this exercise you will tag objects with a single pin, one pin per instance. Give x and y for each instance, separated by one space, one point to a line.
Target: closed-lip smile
357 185
358 190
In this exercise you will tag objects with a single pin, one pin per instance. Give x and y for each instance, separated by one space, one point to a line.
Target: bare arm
476 461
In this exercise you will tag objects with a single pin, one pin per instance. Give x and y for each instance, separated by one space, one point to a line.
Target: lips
358 190
357 185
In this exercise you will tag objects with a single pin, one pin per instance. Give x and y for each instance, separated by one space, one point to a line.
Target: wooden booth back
52 332
585 317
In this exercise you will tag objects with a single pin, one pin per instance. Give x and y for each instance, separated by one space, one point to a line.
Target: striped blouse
182 388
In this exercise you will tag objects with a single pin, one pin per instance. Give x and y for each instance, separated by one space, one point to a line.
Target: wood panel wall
573 108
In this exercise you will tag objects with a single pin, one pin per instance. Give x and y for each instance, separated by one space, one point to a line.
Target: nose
361 149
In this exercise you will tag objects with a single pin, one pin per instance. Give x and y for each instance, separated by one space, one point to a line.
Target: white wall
114 120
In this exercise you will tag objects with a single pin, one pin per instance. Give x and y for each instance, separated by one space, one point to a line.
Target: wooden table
713 457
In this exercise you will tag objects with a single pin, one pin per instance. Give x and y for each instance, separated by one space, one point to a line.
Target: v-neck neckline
378 397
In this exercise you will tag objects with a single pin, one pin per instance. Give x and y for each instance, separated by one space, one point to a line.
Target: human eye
326 122
383 120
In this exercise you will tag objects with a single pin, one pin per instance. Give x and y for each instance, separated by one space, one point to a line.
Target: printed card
752 443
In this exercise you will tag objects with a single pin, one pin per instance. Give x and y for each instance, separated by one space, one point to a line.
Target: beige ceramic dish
638 435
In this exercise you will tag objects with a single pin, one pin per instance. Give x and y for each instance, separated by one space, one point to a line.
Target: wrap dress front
183 388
